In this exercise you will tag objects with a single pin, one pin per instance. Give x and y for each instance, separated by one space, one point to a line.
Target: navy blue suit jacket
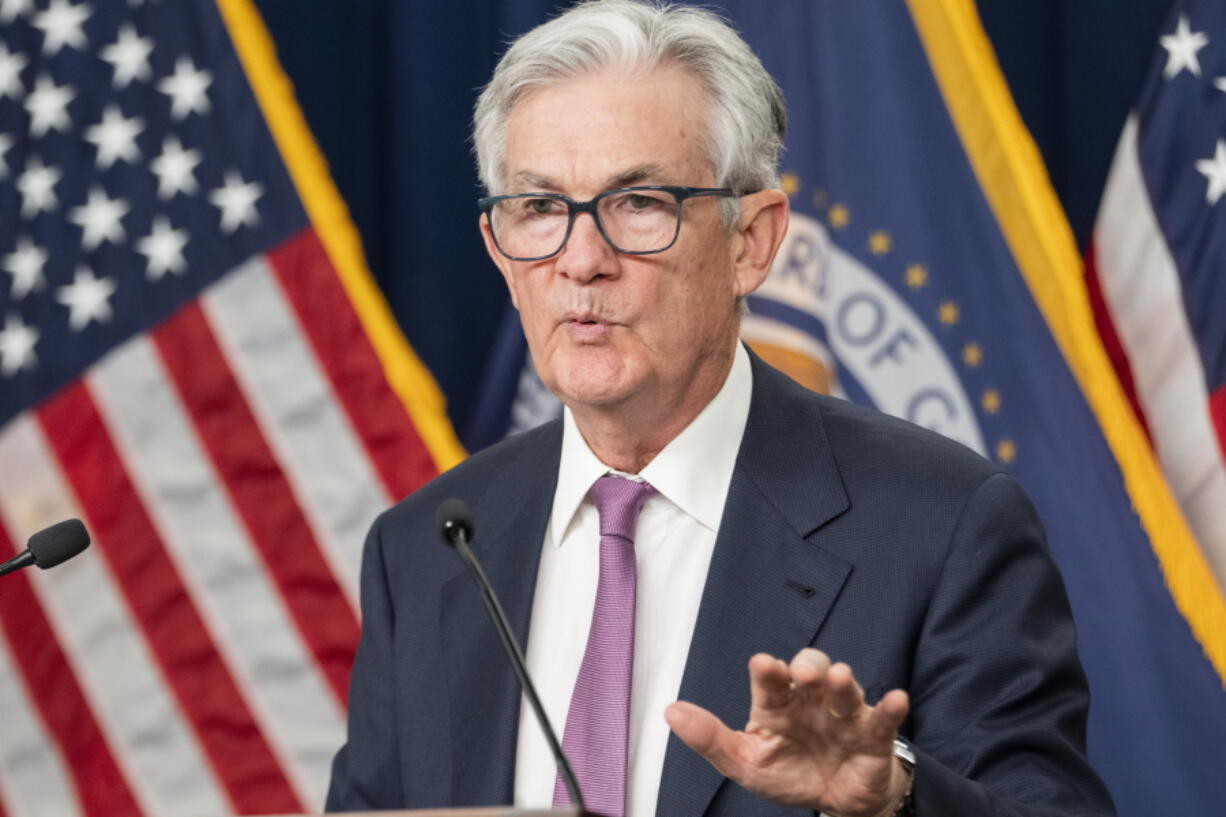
914 560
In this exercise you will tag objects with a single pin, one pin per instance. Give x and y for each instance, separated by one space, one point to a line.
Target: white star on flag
1220 84
47 105
10 72
1181 48
16 346
6 142
1215 171
164 249
99 218
61 25
87 299
10 10
129 55
25 263
174 169
236 201
37 188
115 137
186 89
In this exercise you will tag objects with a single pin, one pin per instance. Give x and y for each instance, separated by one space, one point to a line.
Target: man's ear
760 228
501 261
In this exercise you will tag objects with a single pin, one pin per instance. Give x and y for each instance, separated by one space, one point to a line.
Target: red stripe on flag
1116 352
260 491
340 343
1217 414
53 687
173 628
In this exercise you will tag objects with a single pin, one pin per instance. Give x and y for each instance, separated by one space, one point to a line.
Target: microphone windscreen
58 543
452 517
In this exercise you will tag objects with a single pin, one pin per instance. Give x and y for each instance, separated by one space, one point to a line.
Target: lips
583 317
586 325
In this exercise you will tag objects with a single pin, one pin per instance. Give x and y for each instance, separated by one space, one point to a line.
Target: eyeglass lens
632 220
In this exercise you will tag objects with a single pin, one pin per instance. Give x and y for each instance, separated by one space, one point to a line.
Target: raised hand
811 739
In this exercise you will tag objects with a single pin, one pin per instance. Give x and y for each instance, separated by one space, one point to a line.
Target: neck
628 436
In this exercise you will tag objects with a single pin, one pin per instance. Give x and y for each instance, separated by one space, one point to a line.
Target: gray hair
747 116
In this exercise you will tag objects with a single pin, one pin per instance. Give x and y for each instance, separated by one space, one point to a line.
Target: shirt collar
693 471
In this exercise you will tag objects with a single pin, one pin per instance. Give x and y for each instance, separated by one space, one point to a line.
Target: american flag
194 361
1159 266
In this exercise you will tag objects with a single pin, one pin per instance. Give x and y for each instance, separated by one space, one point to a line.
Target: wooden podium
498 811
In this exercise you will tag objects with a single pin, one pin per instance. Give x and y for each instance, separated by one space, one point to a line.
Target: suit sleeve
366 770
999 699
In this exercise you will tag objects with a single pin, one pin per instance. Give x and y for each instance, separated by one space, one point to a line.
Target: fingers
845 698
811 679
808 669
828 693
809 719
887 716
832 687
770 684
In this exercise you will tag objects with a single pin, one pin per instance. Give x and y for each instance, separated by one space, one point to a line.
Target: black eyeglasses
634 220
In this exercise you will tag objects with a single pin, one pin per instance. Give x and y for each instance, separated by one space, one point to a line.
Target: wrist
902 777
898 793
898 789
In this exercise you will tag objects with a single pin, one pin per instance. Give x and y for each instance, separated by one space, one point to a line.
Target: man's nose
586 255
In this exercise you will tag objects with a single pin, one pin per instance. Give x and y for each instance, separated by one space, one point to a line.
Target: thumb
703 732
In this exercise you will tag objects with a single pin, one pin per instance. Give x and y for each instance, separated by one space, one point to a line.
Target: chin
590 391
592 379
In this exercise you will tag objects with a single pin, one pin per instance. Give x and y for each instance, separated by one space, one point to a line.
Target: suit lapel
770 584
484 693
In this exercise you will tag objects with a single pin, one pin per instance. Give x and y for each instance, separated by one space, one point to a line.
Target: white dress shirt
673 546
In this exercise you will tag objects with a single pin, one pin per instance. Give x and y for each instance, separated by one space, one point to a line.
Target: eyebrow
536 181
625 178
635 175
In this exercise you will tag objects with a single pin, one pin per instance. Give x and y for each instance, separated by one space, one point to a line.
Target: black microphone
455 525
50 546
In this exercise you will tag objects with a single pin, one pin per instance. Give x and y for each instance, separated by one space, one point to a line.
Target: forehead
587 133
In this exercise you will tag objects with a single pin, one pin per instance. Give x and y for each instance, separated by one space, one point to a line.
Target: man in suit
695 512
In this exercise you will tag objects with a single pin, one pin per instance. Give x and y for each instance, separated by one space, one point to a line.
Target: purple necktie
598 723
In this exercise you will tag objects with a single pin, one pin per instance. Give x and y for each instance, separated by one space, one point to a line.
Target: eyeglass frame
573 208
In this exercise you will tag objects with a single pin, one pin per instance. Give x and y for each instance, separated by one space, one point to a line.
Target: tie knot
619 501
